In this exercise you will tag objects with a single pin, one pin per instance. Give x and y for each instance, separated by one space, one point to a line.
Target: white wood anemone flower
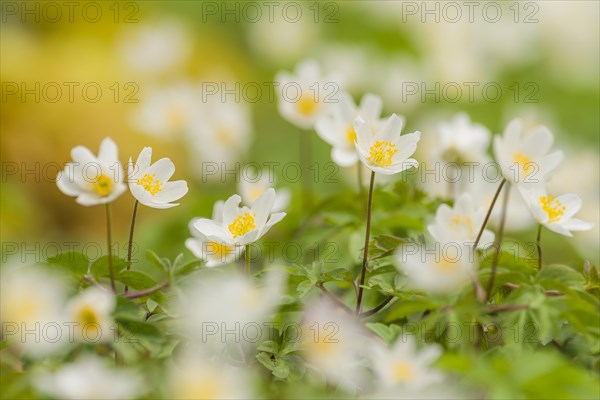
89 378
241 225
93 179
461 141
385 151
250 191
213 253
91 311
149 183
337 128
461 222
524 158
556 213
442 269
305 95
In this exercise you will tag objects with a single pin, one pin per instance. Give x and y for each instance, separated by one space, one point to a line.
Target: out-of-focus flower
337 129
213 253
251 190
524 158
167 112
305 95
221 132
405 367
33 300
333 344
194 378
461 222
93 180
442 269
90 311
155 48
461 141
556 213
386 151
150 185
90 378
241 225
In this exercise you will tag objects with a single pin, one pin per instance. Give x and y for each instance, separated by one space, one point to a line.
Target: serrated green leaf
73 262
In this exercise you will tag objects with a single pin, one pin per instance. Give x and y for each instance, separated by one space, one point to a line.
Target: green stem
539 246
111 270
499 243
130 244
247 256
487 216
366 247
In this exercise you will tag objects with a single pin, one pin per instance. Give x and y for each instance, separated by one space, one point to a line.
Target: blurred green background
543 55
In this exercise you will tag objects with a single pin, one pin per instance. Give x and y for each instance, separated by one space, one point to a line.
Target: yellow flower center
307 105
350 134
87 315
150 184
524 163
402 371
225 136
242 224
176 116
446 264
552 207
103 185
381 153
459 220
208 386
218 249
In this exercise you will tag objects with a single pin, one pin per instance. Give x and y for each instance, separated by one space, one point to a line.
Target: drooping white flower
90 378
221 131
461 223
524 158
241 225
305 95
32 300
90 312
441 269
461 141
251 189
93 180
337 129
556 213
386 151
333 344
403 366
213 253
150 185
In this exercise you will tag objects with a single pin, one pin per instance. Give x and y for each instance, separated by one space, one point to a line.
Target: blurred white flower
524 158
213 253
385 151
241 225
251 189
90 378
442 269
221 132
168 111
461 222
150 185
32 299
91 311
334 344
337 128
196 378
155 47
405 367
556 214
305 95
460 141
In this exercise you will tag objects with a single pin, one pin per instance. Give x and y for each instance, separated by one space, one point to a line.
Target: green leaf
161 263
386 332
402 309
73 262
187 268
557 276
100 267
140 281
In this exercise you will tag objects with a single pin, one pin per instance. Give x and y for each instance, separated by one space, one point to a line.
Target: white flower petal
163 169
171 191
108 153
344 157
370 107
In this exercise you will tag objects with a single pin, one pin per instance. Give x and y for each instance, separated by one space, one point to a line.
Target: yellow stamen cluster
242 224
524 162
87 316
103 185
446 264
381 153
218 249
307 105
350 134
402 371
150 184
552 207
459 219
